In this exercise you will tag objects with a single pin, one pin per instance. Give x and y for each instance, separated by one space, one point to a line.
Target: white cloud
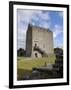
45 25
44 16
26 15
41 19
57 30
21 37
57 43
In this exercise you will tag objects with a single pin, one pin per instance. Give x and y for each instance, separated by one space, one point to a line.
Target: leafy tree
21 52
58 51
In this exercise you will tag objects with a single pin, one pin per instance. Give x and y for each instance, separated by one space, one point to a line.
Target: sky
52 20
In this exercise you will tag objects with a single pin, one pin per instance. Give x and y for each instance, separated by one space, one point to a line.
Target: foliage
21 52
58 51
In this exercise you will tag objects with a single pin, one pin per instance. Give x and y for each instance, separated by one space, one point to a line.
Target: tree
21 52
58 51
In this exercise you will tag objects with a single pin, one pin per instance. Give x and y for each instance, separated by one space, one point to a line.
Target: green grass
24 66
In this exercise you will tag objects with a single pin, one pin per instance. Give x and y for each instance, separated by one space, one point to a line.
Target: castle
39 42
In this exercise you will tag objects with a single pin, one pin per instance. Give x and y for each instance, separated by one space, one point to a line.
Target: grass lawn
25 64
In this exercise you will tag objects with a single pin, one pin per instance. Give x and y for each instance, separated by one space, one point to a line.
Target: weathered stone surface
39 42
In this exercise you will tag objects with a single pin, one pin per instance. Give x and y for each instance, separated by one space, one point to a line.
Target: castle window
35 45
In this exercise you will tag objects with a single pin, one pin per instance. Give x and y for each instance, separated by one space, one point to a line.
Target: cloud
41 19
24 16
58 36
37 17
21 40
44 16
58 43
57 30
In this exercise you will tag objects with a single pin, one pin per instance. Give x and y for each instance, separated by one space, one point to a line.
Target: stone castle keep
39 42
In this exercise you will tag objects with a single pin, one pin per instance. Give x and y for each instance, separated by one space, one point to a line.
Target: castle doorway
36 55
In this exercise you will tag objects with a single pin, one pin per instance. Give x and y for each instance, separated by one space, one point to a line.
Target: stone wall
41 38
29 41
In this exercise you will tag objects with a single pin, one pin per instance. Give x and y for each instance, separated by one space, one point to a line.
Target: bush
21 52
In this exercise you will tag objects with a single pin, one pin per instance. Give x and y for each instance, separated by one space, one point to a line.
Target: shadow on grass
23 74
27 75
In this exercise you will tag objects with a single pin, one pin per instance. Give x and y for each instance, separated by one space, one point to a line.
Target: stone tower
39 42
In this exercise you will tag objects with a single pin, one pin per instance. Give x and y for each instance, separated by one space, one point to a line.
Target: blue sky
41 18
